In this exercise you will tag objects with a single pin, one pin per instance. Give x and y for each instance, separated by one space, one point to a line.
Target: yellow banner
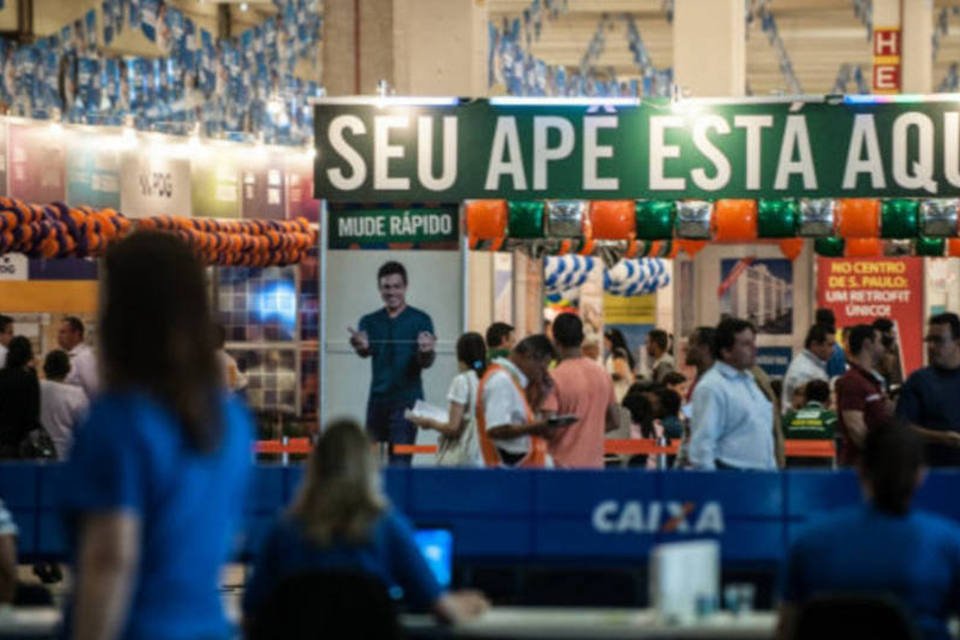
632 310
49 296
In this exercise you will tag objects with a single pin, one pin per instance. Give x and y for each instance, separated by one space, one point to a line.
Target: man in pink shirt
584 389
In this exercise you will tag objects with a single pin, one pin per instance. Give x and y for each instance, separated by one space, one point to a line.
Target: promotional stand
850 177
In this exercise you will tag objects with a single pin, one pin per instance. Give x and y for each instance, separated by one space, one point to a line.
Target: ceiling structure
819 36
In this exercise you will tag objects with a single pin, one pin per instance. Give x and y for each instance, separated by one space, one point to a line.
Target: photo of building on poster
758 290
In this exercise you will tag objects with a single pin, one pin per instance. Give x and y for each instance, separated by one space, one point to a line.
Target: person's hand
413 419
359 340
951 439
465 605
426 341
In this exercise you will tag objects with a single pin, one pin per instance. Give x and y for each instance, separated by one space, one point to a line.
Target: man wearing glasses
928 401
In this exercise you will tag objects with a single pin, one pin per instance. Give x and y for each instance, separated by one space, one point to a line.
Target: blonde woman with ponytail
341 520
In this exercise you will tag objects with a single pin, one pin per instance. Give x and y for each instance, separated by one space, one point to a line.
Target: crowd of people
41 404
547 401
157 475
43 401
551 399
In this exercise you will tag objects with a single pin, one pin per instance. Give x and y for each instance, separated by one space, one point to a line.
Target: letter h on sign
886 60
886 43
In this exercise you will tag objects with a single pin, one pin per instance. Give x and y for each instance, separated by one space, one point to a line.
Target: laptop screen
436 546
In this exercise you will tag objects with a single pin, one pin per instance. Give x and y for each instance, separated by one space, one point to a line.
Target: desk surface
568 623
500 622
29 622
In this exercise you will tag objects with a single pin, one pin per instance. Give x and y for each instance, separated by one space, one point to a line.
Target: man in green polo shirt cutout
400 340
814 421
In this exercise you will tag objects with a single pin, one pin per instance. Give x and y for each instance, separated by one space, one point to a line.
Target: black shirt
19 404
930 399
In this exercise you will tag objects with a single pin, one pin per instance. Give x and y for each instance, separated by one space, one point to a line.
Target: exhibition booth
674 212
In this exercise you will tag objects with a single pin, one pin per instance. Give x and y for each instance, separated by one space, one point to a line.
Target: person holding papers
458 445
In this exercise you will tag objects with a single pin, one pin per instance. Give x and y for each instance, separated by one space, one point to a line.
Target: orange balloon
858 218
613 219
791 247
863 248
734 221
486 219
690 247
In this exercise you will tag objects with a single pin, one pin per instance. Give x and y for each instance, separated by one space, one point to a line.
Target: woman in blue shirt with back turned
341 521
158 475
882 547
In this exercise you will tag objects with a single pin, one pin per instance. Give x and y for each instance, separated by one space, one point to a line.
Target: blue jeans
385 423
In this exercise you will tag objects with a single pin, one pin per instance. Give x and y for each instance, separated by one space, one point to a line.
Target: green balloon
525 219
655 219
831 247
932 247
899 218
777 218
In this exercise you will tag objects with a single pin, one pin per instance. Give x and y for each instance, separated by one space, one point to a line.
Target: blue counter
541 517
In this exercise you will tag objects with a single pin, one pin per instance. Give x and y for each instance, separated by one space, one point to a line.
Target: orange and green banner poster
831 147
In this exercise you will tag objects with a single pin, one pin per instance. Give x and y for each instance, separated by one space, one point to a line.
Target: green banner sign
447 153
383 228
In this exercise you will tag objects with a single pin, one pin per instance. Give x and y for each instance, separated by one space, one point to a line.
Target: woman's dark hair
670 402
645 386
892 457
56 365
641 412
615 336
157 334
472 351
19 353
537 346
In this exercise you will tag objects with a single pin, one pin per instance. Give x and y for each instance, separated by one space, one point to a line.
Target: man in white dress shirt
809 364
6 335
83 363
62 406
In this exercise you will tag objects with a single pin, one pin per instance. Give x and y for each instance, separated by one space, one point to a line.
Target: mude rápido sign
655 150
379 226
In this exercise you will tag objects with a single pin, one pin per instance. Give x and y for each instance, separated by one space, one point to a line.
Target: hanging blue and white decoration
240 88
564 275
